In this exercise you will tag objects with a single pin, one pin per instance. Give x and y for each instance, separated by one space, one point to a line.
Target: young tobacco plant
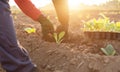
101 24
109 50
59 37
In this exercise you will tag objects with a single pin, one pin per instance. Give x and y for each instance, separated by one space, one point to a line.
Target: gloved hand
47 28
64 28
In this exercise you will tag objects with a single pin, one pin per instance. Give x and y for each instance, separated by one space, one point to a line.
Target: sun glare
76 3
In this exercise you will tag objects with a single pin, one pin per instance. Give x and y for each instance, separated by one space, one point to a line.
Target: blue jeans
13 58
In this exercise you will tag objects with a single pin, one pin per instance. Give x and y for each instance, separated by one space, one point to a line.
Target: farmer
14 58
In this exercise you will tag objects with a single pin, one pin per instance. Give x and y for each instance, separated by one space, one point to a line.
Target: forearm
28 8
62 10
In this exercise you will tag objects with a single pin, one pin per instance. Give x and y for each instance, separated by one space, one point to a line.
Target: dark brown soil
80 54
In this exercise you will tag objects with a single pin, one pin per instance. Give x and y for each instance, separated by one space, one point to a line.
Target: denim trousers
13 58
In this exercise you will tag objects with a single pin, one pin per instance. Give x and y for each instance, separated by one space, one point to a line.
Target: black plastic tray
102 35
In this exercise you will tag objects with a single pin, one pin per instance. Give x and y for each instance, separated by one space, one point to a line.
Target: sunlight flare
76 3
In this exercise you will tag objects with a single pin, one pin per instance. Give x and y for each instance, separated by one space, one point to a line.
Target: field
80 54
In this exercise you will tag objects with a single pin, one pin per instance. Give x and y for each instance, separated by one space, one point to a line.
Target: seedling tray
102 35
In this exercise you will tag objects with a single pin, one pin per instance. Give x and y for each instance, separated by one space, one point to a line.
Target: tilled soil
79 54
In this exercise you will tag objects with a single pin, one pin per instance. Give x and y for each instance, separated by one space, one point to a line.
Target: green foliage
102 24
59 37
117 26
108 50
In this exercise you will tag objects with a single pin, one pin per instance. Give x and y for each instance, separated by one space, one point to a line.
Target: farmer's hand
62 11
62 28
47 28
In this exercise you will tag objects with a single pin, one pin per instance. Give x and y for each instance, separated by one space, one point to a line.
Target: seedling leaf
104 51
109 50
58 37
61 35
101 14
55 36
30 30
113 53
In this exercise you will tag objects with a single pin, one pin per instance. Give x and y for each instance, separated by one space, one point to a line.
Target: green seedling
59 37
109 50
103 23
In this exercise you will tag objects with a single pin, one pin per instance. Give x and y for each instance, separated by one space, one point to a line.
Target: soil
80 54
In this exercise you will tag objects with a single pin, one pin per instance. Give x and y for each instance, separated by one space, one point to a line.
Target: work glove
47 28
63 28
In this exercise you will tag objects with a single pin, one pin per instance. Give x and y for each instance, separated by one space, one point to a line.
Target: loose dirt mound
78 55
